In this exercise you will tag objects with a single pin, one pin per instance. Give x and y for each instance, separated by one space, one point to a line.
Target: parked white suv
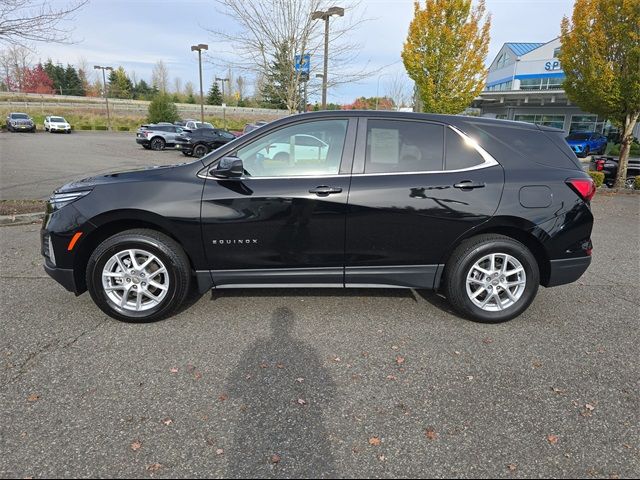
56 124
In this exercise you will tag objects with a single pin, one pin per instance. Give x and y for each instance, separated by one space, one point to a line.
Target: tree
142 90
214 97
14 62
274 91
160 77
445 53
36 80
120 85
162 109
600 56
258 43
24 21
73 83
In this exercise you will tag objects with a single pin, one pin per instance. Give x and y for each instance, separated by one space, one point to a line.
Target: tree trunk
627 136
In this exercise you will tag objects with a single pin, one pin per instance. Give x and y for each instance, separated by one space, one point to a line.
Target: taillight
583 187
599 165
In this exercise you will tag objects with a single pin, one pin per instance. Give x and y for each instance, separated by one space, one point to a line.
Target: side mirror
228 167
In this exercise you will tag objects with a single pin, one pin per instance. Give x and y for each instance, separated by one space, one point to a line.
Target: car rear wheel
157 143
630 182
491 278
200 150
138 276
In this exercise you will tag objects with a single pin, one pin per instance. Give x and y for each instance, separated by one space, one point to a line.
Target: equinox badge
249 241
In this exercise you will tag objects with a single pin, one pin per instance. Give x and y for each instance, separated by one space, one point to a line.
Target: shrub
636 183
634 151
101 127
86 127
123 129
598 177
162 109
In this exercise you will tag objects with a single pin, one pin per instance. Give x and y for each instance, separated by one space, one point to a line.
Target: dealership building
525 84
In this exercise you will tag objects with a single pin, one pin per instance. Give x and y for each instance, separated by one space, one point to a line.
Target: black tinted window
401 146
460 154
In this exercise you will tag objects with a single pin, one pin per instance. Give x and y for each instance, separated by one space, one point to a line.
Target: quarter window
403 146
460 153
306 149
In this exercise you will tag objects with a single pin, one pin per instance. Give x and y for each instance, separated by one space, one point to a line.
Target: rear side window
460 154
544 147
403 146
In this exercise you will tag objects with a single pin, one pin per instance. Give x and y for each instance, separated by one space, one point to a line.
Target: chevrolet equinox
481 210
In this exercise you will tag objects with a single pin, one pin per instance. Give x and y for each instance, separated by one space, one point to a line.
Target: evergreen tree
120 85
72 83
142 91
57 75
275 83
162 109
214 97
191 98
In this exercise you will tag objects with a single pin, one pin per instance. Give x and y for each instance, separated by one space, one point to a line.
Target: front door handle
325 190
468 185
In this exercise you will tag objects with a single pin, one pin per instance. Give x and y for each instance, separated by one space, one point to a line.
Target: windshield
20 116
203 125
58 120
579 136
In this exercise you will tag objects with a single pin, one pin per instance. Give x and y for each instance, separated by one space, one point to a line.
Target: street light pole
378 88
104 86
224 110
199 48
324 15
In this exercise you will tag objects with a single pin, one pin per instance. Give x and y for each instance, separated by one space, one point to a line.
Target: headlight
59 200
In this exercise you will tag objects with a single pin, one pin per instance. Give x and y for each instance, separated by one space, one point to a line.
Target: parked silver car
158 136
20 122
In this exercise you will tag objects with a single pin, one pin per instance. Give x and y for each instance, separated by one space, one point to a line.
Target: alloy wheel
496 282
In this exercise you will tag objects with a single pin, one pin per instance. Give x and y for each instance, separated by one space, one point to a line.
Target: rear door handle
325 190
468 185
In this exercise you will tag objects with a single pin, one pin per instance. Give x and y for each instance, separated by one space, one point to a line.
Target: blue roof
523 48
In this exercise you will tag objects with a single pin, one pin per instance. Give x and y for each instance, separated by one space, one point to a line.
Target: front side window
305 149
403 146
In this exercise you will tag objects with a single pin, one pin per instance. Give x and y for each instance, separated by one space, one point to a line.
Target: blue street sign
303 64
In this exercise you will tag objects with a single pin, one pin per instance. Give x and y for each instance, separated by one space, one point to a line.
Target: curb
22 219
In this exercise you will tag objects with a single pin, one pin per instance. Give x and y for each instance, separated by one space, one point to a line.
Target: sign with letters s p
552 65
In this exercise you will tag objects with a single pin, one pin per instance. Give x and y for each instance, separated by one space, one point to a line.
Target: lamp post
378 88
325 15
199 48
224 110
104 86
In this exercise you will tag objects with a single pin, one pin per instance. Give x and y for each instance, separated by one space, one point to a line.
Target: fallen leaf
399 359
364 354
167 421
137 445
264 365
197 375
34 397
174 370
301 402
431 434
391 377
223 397
275 458
512 467
589 407
552 439
219 451
190 368
299 379
336 359
470 377
394 347
457 352
487 340
154 467
247 376
382 458
280 365
375 441
537 364
558 390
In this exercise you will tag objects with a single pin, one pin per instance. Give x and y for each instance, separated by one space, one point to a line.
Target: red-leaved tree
36 80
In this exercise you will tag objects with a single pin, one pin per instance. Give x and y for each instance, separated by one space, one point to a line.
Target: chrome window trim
489 161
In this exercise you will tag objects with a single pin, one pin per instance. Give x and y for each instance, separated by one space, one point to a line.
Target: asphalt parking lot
318 383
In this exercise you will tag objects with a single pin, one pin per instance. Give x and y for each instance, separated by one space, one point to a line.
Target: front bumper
61 275
23 127
142 141
183 147
567 270
53 128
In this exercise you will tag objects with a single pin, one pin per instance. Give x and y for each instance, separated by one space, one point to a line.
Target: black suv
483 210
201 141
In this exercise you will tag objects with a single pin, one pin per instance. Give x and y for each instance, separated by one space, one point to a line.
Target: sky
138 33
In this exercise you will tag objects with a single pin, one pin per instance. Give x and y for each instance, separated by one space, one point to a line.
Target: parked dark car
201 141
20 122
157 136
250 127
609 166
587 143
464 205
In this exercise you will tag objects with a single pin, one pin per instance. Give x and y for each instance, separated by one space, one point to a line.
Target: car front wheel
138 276
491 278
200 151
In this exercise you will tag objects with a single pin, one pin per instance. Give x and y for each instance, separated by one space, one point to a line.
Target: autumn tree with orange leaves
445 53
600 56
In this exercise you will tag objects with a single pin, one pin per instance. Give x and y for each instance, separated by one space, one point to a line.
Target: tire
630 182
463 264
157 143
200 150
146 244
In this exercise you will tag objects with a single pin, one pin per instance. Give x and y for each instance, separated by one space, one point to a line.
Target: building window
556 52
500 87
555 121
542 83
502 60
586 123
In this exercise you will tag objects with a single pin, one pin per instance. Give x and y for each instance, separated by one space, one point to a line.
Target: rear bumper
63 276
567 270
143 141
